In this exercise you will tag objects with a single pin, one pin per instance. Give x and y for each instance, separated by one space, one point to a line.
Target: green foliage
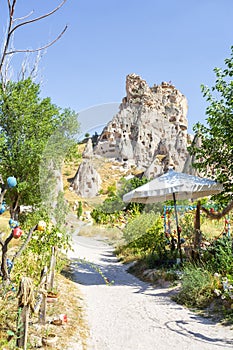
186 223
152 242
218 257
197 288
112 208
37 253
111 190
26 123
105 218
137 226
79 209
214 157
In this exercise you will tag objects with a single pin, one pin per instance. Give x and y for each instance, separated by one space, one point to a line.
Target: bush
198 285
218 257
138 226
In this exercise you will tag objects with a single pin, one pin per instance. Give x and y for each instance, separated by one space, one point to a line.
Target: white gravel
130 314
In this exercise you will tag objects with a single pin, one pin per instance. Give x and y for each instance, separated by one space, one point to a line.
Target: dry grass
4 219
112 234
70 302
110 172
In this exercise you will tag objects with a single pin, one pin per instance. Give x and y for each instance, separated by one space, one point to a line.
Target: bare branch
11 28
39 48
24 17
8 35
38 18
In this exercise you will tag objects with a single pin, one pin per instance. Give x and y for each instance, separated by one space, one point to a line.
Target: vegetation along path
130 314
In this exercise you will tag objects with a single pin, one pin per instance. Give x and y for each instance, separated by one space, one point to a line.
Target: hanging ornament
13 223
17 232
41 225
3 208
11 181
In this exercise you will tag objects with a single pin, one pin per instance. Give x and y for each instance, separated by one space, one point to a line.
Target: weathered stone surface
150 129
88 150
86 182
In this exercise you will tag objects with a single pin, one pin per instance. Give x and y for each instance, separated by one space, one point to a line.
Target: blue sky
174 40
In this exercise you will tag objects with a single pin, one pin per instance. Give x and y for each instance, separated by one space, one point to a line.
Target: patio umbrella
172 186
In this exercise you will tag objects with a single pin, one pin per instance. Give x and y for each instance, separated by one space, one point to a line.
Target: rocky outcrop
150 129
88 150
86 182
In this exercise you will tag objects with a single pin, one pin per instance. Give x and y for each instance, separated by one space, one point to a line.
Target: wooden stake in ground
25 303
42 295
52 266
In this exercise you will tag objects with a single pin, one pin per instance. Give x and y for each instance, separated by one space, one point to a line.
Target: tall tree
26 124
214 157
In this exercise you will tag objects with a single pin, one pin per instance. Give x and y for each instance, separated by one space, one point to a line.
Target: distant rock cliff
150 129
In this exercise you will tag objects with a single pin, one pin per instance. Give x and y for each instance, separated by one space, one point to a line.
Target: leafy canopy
26 124
214 157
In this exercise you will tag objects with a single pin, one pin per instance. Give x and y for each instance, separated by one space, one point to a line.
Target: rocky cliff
150 129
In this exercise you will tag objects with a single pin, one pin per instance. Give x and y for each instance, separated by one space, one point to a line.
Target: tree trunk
4 270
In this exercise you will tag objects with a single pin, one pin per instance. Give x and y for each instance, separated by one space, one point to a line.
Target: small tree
214 157
26 124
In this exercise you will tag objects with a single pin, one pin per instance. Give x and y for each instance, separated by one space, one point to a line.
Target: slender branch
38 18
218 215
9 5
40 48
1 240
24 17
19 252
11 29
8 35
2 195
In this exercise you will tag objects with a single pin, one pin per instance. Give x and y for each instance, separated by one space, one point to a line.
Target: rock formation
86 182
88 150
150 129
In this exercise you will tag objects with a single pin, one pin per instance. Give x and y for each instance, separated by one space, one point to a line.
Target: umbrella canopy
164 187
172 186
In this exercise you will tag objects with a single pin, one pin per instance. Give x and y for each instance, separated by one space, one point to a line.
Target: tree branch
24 17
8 36
38 18
11 29
19 252
218 215
40 48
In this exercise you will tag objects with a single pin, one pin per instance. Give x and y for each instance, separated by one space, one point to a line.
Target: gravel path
130 314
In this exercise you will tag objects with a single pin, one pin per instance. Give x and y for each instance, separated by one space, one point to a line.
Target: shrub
218 257
198 285
138 226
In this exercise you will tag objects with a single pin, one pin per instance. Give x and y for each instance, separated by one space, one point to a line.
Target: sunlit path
130 314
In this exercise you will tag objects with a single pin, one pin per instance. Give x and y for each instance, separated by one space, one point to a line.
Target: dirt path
130 314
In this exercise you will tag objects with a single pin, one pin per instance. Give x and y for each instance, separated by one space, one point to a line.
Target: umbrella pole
178 230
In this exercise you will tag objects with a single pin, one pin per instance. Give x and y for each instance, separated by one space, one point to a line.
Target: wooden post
41 298
52 266
25 303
